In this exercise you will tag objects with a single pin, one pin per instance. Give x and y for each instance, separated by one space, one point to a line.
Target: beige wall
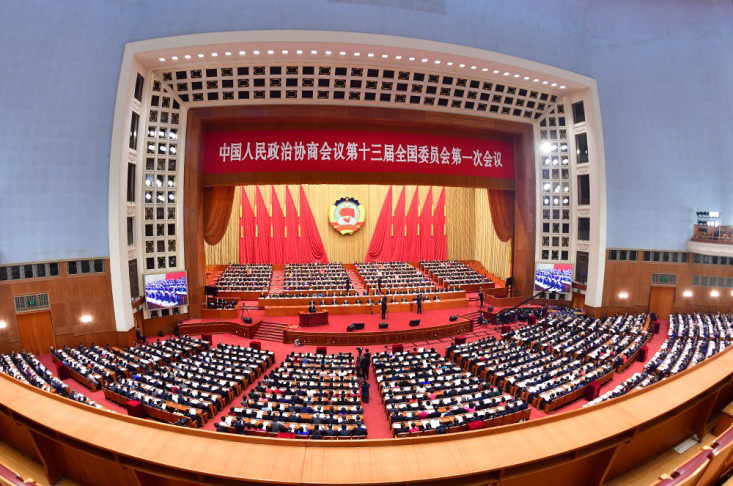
469 230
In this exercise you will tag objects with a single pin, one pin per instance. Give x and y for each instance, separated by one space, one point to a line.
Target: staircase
277 281
476 265
271 331
419 268
356 283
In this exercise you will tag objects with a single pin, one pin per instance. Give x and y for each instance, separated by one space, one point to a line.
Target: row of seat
240 277
453 273
391 275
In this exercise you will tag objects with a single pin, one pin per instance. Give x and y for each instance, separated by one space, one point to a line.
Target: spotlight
623 295
3 324
86 319
687 293
714 293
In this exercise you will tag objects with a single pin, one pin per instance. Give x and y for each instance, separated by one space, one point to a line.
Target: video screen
553 277
166 290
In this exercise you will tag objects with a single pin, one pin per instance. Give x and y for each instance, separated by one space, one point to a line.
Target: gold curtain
218 203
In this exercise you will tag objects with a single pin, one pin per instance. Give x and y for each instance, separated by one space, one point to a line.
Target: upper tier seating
551 363
239 277
424 393
309 395
315 277
454 273
691 338
26 368
395 275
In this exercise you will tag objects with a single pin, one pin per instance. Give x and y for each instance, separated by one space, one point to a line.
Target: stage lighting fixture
86 319
623 295
3 324
687 293
714 293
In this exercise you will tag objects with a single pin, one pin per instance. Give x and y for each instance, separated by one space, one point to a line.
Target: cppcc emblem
346 215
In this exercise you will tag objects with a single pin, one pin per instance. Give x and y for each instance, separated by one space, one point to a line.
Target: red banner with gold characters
353 151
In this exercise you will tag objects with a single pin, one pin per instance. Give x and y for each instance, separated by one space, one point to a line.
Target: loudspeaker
358 325
415 323
383 325
509 281
247 320
350 328
211 290
491 308
453 318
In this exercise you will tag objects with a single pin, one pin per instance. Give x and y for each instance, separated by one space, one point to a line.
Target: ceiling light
187 56
357 54
495 71
342 53
714 293
562 86
284 51
270 51
410 58
314 52
161 59
535 80
485 69
398 57
328 53
200 55
516 75
371 54
623 295
3 324
242 53
526 78
299 51
544 82
545 147
473 67
687 293
437 62
506 73
461 65
424 59
228 53
174 58
148 196
449 63
214 54
256 53
384 56
86 319
553 84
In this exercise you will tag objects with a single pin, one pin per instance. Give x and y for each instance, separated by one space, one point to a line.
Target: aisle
356 283
277 281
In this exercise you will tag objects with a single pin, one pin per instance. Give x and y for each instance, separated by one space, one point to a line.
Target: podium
643 353
310 319
207 338
459 340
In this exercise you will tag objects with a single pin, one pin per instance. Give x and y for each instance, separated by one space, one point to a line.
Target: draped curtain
380 248
292 239
246 231
277 243
427 250
311 244
412 241
218 202
262 238
440 242
399 247
501 205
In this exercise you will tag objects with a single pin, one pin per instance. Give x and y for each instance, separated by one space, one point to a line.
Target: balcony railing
713 234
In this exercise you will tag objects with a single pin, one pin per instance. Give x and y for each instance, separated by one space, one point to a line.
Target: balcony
711 240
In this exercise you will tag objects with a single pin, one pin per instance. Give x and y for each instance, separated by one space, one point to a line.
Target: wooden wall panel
470 232
36 332
193 213
661 301
71 296
635 279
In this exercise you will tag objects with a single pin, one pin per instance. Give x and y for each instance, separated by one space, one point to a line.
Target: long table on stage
310 319
366 308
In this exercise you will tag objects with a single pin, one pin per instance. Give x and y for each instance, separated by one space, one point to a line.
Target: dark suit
384 307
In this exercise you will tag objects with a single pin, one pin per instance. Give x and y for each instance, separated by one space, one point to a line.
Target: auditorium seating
454 273
691 338
551 363
240 277
308 395
27 368
424 394
394 276
194 388
312 277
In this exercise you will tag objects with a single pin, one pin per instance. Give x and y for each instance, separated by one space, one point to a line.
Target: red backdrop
352 151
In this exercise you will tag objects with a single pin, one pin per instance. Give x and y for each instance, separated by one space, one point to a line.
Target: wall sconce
3 324
86 319
623 295
687 293
714 293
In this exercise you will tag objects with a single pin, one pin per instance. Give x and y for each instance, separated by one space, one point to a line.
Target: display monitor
166 290
553 277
